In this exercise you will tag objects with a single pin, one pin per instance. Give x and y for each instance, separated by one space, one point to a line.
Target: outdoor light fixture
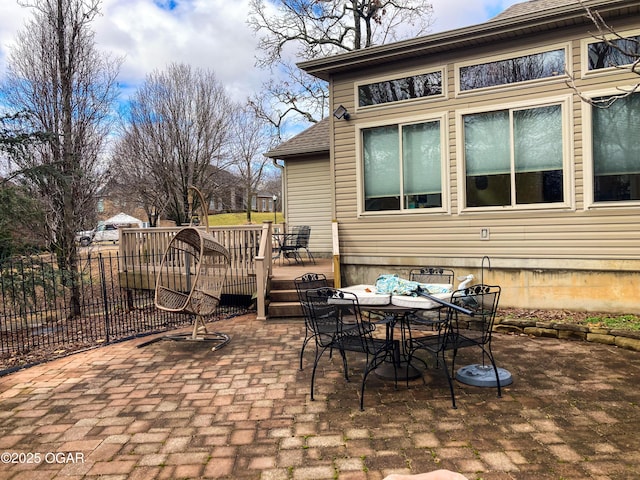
341 112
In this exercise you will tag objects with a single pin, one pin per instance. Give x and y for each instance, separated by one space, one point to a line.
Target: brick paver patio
175 410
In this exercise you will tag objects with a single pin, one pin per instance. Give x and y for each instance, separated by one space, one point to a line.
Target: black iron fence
46 313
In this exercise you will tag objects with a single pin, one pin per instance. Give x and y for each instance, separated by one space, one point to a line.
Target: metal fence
41 319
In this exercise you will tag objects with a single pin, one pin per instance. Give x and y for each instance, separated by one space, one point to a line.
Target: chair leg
371 366
304 344
315 366
495 370
344 365
449 379
310 256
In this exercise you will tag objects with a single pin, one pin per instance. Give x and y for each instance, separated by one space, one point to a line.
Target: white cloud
208 34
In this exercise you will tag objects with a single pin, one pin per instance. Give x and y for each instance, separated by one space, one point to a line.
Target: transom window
514 157
536 66
616 150
614 53
396 90
402 166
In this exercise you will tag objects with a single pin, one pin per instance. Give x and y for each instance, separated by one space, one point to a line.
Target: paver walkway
175 410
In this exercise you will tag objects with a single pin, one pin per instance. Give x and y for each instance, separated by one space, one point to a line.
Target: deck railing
149 244
146 246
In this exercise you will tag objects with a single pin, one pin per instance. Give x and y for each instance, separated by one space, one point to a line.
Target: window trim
445 170
561 77
396 76
584 56
587 152
565 102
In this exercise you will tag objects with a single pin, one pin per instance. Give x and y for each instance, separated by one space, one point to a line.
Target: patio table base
385 371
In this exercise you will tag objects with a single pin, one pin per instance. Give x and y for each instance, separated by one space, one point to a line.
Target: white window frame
443 118
396 76
587 151
566 104
584 55
561 77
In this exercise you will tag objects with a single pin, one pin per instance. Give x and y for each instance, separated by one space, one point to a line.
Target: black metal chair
337 323
430 275
459 330
297 239
303 283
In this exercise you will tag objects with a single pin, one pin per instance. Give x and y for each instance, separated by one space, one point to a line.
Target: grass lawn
225 219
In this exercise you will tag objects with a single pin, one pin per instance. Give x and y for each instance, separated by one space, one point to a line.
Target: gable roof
313 140
532 6
520 19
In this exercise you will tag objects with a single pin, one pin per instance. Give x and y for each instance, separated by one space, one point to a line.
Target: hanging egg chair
191 278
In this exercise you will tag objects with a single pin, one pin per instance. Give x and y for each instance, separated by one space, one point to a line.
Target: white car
106 232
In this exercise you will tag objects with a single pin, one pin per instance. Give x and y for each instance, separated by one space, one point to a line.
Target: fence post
105 298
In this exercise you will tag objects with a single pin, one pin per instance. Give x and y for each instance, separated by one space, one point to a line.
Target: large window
398 89
514 157
402 166
616 150
536 66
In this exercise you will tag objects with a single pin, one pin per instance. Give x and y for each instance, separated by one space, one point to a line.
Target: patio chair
190 280
458 330
297 239
336 322
430 275
303 283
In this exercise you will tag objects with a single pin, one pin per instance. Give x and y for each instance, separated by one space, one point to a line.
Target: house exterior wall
577 255
308 197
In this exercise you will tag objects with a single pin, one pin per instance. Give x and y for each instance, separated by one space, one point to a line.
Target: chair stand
201 334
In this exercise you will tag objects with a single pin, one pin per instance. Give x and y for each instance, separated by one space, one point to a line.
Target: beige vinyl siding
309 200
573 236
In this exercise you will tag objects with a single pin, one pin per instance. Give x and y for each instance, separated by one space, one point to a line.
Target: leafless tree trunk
251 137
56 74
175 136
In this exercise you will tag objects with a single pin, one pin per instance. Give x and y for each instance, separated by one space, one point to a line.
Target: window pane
538 154
487 159
486 143
416 86
422 160
488 190
513 70
381 147
623 51
616 150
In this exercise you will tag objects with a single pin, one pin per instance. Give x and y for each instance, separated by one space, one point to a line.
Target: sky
209 34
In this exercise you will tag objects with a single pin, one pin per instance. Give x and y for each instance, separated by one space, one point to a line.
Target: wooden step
285 310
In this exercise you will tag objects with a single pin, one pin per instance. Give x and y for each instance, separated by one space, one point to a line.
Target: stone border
567 331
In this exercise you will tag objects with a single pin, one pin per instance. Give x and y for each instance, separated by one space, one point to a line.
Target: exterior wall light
341 112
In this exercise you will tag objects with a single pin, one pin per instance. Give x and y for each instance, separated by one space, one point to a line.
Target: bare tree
176 130
56 74
314 28
612 50
251 137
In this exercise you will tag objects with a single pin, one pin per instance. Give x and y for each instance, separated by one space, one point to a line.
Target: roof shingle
314 139
527 8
